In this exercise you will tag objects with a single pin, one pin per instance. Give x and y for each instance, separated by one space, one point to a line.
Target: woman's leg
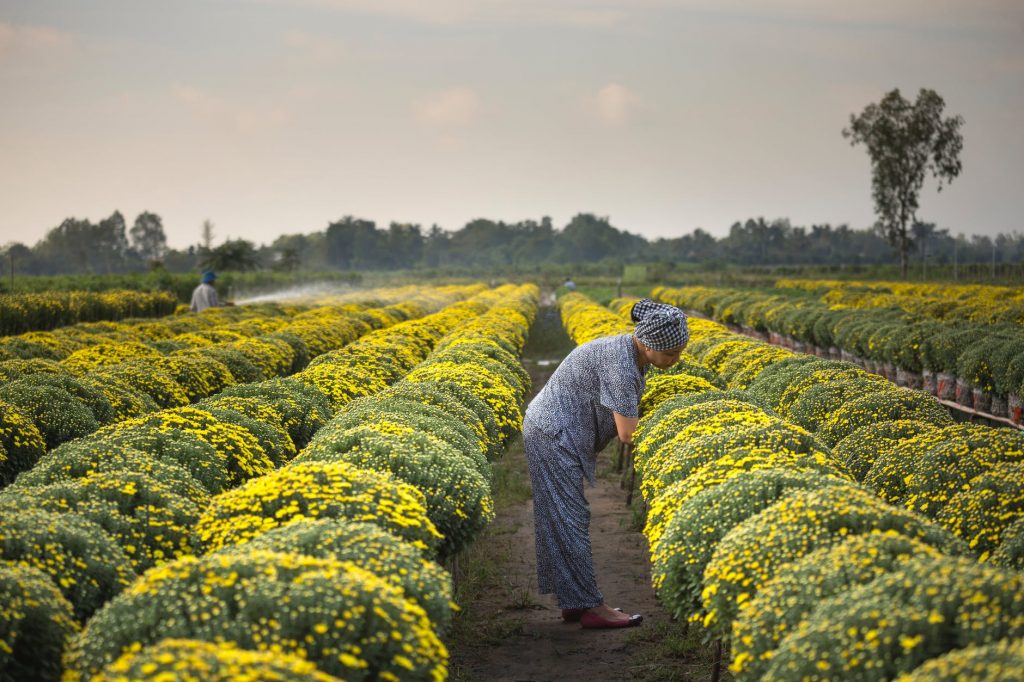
561 513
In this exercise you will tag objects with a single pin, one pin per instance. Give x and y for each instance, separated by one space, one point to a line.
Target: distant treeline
351 244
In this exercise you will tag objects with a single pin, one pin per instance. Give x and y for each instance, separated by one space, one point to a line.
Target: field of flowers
281 523
21 313
68 383
960 343
824 522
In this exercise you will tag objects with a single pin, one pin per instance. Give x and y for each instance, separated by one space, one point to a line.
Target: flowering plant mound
924 472
790 597
859 450
158 385
85 457
145 517
459 402
207 464
125 400
882 406
243 370
503 399
58 415
342 386
12 370
1003 660
736 463
990 504
654 468
699 524
21 442
666 423
272 439
747 365
199 375
304 409
345 620
450 423
923 609
662 387
750 555
808 380
818 402
316 490
190 659
245 458
36 623
456 495
79 557
1010 552
369 547
91 358
90 396
773 380
680 457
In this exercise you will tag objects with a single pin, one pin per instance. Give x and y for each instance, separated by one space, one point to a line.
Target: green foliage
906 141
36 623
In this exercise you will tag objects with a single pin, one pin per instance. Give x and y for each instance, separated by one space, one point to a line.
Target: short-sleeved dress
566 425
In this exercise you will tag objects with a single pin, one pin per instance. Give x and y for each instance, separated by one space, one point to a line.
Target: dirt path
510 633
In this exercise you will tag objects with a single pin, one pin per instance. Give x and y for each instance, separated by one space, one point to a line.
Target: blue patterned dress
566 425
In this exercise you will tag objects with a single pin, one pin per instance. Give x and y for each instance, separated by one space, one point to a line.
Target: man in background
205 296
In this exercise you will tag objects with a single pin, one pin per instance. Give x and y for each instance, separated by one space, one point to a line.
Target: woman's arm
625 426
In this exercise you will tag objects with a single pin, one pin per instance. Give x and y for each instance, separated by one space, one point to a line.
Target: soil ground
507 632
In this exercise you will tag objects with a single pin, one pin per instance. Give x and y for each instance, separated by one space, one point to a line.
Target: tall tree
233 254
148 238
906 141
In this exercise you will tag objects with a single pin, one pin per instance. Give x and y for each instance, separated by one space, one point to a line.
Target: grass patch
671 651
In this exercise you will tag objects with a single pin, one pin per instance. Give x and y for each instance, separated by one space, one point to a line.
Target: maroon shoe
592 620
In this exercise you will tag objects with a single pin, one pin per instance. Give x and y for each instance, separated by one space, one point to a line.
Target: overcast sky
280 116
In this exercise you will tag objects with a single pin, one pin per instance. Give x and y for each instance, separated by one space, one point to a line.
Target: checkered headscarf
659 326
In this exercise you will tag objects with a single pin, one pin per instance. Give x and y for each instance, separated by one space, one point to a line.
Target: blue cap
209 276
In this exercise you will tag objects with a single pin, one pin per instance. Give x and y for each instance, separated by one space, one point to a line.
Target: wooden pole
716 667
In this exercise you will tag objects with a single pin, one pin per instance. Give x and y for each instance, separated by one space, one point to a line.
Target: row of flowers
980 303
46 403
978 365
21 313
759 530
355 590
